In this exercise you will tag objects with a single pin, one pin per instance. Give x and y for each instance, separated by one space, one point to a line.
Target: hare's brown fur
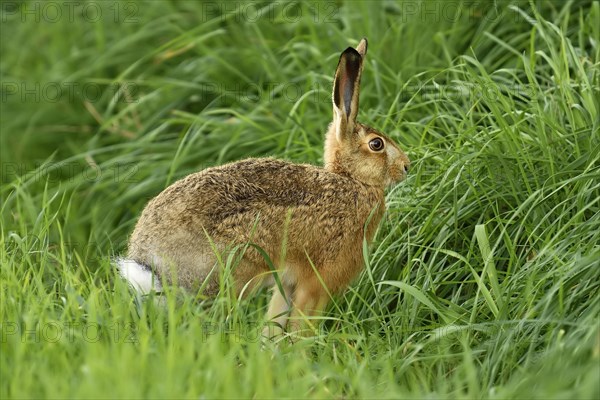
259 201
310 221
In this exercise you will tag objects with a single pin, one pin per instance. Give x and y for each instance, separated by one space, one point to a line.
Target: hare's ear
346 89
362 48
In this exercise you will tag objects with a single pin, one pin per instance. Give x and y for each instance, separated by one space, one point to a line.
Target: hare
311 221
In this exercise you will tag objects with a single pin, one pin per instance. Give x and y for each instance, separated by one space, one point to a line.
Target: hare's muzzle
399 166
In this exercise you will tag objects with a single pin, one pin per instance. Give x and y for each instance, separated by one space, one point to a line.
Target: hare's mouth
396 175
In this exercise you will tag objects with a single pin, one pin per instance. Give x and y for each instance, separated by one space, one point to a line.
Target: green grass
483 280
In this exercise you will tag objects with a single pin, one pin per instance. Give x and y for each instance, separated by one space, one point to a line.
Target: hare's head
352 148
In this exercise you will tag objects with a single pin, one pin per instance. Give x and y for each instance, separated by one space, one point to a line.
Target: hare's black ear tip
351 51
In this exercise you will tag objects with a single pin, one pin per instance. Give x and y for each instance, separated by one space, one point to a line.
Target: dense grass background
483 278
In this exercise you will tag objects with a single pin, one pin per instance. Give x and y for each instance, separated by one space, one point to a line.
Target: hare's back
239 192
268 183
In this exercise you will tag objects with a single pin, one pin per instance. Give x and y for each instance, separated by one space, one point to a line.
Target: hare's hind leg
279 309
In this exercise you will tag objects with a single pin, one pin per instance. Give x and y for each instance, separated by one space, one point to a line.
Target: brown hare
311 221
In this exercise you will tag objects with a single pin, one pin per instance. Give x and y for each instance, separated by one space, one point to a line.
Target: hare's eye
376 144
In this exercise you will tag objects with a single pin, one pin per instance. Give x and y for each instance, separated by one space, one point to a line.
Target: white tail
139 276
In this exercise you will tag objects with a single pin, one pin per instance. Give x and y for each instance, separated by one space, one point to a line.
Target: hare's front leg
310 299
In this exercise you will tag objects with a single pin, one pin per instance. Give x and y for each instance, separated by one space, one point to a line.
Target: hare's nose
406 167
